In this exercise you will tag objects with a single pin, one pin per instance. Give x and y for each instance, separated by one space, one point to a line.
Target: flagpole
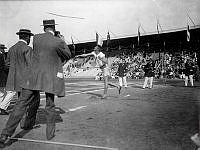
73 46
165 80
108 40
138 35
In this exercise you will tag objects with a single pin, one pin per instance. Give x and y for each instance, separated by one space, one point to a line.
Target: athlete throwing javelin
102 62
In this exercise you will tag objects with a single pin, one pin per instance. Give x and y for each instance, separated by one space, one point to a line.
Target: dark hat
25 31
49 22
2 46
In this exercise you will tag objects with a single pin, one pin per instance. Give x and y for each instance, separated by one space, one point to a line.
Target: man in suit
3 77
49 54
3 69
5 96
20 80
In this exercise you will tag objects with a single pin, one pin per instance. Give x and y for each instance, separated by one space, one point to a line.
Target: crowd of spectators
166 65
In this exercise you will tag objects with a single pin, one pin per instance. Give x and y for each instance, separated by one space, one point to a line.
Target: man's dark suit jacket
3 70
18 60
49 53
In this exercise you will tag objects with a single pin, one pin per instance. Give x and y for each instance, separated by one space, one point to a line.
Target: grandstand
172 40
169 44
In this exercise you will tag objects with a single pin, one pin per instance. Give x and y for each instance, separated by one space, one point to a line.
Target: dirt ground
162 118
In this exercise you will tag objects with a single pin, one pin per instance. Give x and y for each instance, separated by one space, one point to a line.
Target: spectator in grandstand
102 62
121 73
149 74
181 71
19 79
189 72
48 72
169 72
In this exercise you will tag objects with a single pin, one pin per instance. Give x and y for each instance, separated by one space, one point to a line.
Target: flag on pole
157 28
139 35
99 40
108 39
73 43
188 33
195 56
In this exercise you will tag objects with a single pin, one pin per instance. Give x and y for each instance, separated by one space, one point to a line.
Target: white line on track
65 144
85 92
77 108
72 91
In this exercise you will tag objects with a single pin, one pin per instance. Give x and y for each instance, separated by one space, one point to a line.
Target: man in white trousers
122 71
189 72
5 102
149 74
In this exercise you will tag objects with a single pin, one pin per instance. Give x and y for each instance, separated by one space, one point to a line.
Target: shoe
127 95
3 112
27 128
119 89
195 138
3 139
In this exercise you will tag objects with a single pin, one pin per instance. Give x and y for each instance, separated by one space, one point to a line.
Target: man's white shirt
98 61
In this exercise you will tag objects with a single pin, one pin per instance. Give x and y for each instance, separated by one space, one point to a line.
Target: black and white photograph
100 75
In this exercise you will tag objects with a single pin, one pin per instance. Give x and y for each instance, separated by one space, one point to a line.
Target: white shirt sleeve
94 54
101 55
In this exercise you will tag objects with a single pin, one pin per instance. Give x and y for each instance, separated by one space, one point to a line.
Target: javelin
65 144
65 16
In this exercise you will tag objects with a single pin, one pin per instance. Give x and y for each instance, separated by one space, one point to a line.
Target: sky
120 17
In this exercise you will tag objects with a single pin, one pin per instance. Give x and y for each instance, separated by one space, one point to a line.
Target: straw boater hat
49 22
25 31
